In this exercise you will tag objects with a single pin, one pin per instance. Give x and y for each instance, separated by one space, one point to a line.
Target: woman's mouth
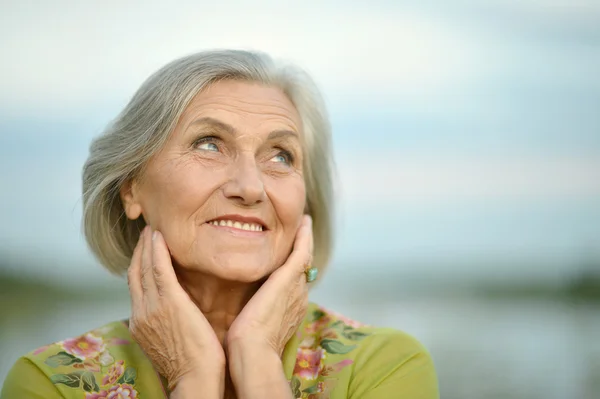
244 226
236 225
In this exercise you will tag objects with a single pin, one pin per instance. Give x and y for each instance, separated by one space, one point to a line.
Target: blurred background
467 138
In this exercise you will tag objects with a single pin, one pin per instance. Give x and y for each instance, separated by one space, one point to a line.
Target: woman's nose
245 184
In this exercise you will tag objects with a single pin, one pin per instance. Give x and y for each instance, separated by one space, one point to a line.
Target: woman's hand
167 325
258 335
275 311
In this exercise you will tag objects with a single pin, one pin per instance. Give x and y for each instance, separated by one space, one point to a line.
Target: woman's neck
219 300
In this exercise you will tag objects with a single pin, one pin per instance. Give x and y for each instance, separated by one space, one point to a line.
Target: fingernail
154 234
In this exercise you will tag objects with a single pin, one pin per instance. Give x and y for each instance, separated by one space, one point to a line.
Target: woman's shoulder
358 359
325 325
92 365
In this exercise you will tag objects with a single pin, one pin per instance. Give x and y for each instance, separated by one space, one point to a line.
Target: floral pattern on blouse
86 366
324 335
86 363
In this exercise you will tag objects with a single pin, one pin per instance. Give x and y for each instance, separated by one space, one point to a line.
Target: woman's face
227 190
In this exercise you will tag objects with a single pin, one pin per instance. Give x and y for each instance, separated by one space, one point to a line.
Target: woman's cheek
288 198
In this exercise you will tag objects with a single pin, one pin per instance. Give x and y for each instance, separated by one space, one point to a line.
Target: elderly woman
207 189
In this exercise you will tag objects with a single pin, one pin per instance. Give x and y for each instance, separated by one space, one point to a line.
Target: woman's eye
283 157
207 144
209 147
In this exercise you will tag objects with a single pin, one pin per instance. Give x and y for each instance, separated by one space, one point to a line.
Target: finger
309 262
304 241
292 271
162 267
311 243
301 254
148 284
133 274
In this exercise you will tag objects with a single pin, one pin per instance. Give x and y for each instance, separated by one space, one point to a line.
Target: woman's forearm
257 373
205 386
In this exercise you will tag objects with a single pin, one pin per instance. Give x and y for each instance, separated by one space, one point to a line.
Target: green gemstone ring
311 274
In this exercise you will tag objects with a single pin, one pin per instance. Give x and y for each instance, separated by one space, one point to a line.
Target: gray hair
144 125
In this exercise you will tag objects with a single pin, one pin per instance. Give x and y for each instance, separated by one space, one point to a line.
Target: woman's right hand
167 325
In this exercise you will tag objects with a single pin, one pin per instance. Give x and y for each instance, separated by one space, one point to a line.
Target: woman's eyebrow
282 134
215 123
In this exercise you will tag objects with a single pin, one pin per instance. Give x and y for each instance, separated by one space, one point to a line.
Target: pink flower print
96 395
308 363
347 321
85 346
336 368
114 373
119 341
121 391
340 365
40 350
316 326
323 389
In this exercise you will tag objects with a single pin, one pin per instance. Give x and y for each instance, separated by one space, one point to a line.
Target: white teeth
237 225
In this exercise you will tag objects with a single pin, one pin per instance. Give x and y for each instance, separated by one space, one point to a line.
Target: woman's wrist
206 384
257 372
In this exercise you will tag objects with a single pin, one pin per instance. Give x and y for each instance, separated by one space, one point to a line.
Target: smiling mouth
244 226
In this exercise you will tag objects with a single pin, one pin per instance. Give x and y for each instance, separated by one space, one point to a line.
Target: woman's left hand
275 311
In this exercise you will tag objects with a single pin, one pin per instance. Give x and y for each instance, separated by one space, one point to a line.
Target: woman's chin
241 270
248 275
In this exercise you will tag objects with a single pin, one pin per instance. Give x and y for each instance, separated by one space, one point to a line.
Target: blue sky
464 130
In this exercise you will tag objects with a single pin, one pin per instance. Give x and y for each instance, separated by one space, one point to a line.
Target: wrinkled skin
208 299
168 326
243 172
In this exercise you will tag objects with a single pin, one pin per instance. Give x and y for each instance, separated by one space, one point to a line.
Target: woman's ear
131 204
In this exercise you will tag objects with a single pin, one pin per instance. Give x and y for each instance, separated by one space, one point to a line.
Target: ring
311 273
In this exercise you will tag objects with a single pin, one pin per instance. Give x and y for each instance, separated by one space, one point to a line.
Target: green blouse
331 357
